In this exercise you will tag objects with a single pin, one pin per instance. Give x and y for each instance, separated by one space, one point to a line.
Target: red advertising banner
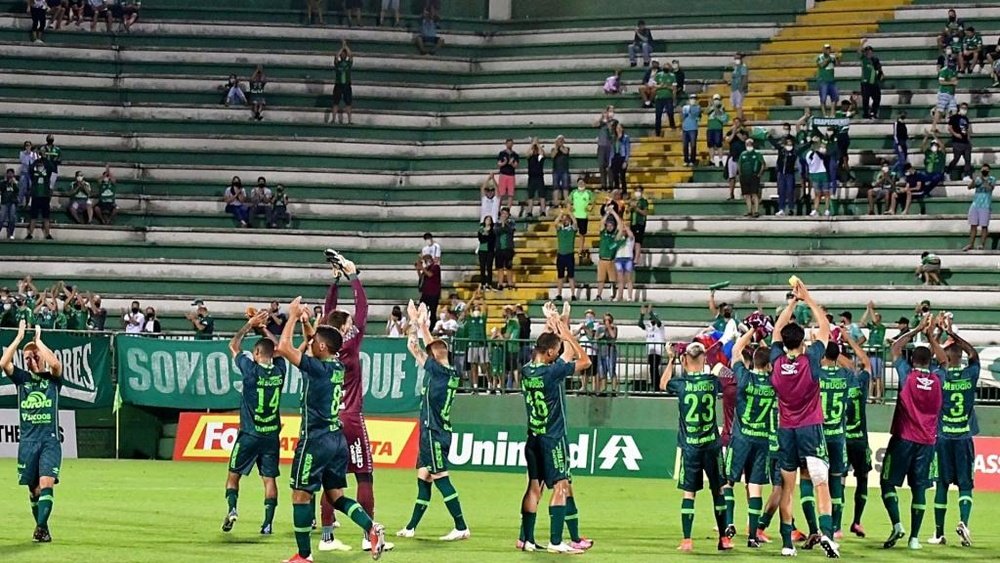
987 463
210 437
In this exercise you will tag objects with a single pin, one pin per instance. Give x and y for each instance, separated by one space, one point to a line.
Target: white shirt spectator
730 333
816 163
134 322
395 329
656 339
489 207
432 250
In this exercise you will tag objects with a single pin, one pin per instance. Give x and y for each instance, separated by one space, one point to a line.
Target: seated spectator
235 199
883 188
125 11
642 42
106 208
427 39
972 50
353 10
953 30
315 8
98 9
934 163
260 201
233 92
80 207
929 270
74 12
647 88
680 94
280 218
613 84
434 8
386 6
257 103
56 12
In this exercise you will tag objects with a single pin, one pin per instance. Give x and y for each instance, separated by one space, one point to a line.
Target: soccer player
440 383
748 449
914 433
795 376
859 454
955 451
834 383
39 452
320 460
699 440
546 452
260 421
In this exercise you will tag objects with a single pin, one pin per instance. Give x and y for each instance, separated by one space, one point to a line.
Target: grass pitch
170 512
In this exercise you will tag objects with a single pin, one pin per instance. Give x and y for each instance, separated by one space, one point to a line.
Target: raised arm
738 348
902 341
412 344
360 297
783 319
962 343
859 352
256 321
936 348
46 354
711 303
572 352
7 360
823 330
285 349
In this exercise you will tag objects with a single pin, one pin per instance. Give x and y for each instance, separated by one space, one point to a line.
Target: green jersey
876 335
696 395
856 425
958 415
46 319
76 319
476 327
40 183
609 245
460 342
717 118
566 240
665 82
259 407
934 162
440 384
8 192
544 388
342 70
505 236
946 74
581 200
869 72
80 191
755 401
834 383
322 391
638 218
24 314
751 163
106 193
205 333
52 156
510 331
38 404
972 43
825 65
62 322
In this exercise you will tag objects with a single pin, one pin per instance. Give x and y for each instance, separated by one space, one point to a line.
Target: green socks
891 501
45 501
940 509
231 496
826 525
33 500
353 510
765 520
572 519
528 526
965 505
720 513
755 504
808 505
786 535
302 518
687 516
454 506
557 518
860 498
269 505
917 507
730 504
837 500
421 504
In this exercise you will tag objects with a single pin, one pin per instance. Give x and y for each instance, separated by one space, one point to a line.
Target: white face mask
476 314
821 150
963 111
885 169
638 194
934 149
749 148
789 148
736 62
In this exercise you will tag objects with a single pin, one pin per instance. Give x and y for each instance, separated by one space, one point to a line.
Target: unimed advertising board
10 432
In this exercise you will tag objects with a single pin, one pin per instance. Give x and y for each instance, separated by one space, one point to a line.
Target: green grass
145 511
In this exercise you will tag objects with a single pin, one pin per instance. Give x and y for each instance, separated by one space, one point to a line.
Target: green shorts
907 460
253 449
746 458
320 462
796 444
696 463
954 463
547 460
37 459
433 452
836 450
859 457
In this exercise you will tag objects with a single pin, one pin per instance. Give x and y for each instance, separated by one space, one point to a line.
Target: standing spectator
737 138
505 250
900 142
202 321
739 84
647 89
235 199
946 104
98 314
524 338
275 319
41 200
27 158
107 207
280 217
972 50
353 10
560 171
949 58
512 348
427 39
260 203
666 91
642 42
679 80
816 161
8 203
507 163
430 283
607 354
871 81
80 207
133 321
395 326
691 113
784 170
751 165
717 121
953 30
621 150
486 252
605 133
257 102
431 248
233 92
875 345
656 342
489 203
826 64
961 142
615 204
386 6
314 9
52 157
37 10
982 204
152 324
606 254
639 209
342 89
582 200
625 262
536 180
478 354
565 255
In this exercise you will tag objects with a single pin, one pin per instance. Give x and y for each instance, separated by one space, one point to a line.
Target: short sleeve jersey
958 415
856 425
565 240
697 395
38 404
440 384
834 387
506 159
638 218
106 192
342 70
544 389
205 333
322 391
8 192
477 327
796 384
755 401
259 408
581 201
946 74
826 66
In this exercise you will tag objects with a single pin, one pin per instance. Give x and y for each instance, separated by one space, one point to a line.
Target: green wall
523 9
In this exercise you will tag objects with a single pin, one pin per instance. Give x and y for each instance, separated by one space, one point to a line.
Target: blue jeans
560 180
786 190
8 216
691 146
901 157
930 182
832 168
647 52
608 363
667 105
24 184
235 95
241 213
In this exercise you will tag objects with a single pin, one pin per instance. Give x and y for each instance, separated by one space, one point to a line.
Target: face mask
135 309
934 149
149 314
885 169
79 178
476 314
727 315
31 294
443 316
789 148
821 150
749 148
963 111
952 18
986 173
638 194
6 306
45 310
736 62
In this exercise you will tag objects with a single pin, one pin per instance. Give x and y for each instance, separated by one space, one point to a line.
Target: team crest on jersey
925 383
788 369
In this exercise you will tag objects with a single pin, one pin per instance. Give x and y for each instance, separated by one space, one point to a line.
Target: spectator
739 84
98 9
37 10
524 337
446 326
666 91
107 207
41 200
80 207
784 171
737 138
972 50
751 165
478 354
233 92
656 342
201 320
582 200
900 142
235 199
816 160
717 120
127 12
56 11
78 315
933 164
642 42
621 150
489 203
929 270
679 79
429 283
961 142
386 6
23 312
52 157
826 64
953 31
647 88
8 203
850 328
625 262
560 171
507 163
536 180
883 189
982 204
511 347
434 8
27 158
605 133
912 187
342 89
946 104
257 102
74 12
486 252
260 203
691 113
395 327
606 254
431 248
353 10
152 324
615 204
275 319
315 9
949 58
871 81
427 39
639 209
613 84
505 250
607 354
280 218
872 320
566 230
98 314
133 321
